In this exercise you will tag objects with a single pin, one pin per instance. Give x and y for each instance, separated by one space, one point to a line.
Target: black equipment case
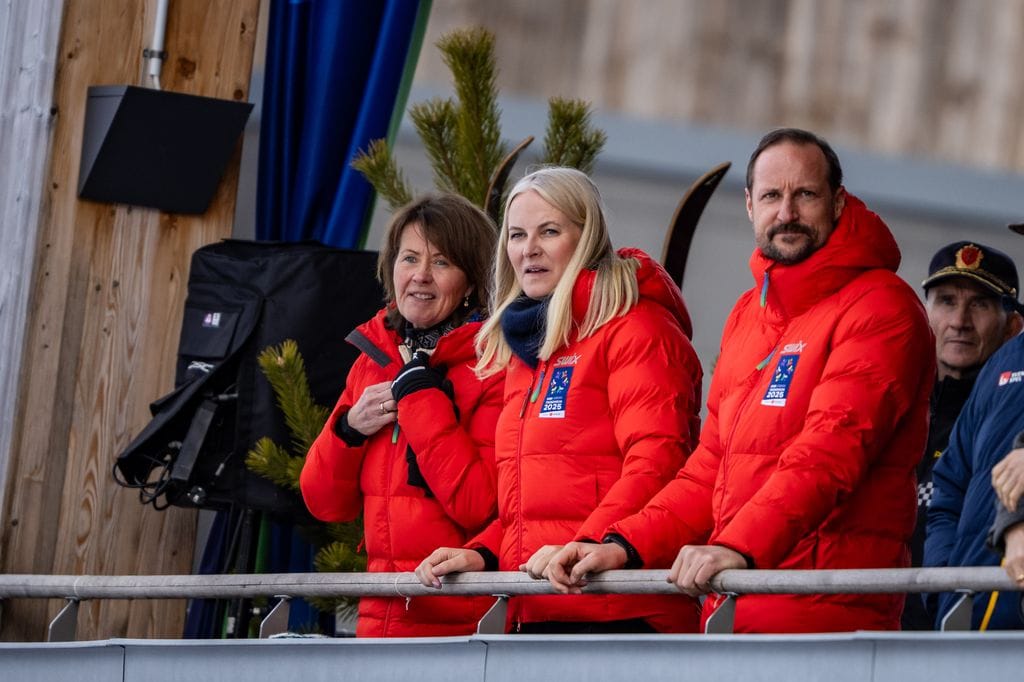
244 296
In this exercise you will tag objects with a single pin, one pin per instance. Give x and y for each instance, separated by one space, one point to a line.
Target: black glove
417 375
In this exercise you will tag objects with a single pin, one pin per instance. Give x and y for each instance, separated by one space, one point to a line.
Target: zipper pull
540 380
394 434
531 396
764 363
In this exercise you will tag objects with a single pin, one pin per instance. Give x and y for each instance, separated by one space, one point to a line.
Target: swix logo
1011 377
568 359
797 347
199 366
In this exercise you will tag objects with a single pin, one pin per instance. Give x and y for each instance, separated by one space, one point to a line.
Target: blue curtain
336 69
337 76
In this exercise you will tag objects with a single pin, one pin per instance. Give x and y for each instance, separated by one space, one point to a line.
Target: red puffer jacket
817 415
589 436
402 523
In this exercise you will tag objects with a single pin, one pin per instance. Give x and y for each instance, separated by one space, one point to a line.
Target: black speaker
155 148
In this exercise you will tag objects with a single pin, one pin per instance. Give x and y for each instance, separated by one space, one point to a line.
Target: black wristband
490 560
346 433
633 559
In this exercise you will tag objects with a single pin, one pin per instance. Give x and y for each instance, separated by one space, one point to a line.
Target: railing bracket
958 618
64 626
493 622
276 621
720 622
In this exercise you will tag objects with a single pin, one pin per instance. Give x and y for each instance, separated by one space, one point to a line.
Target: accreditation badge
778 389
553 406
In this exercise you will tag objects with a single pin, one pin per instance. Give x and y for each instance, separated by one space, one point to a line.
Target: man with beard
817 413
970 297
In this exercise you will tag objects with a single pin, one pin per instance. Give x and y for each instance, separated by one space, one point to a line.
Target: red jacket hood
654 283
860 242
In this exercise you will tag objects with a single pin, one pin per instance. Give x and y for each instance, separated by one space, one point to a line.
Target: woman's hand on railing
567 571
696 565
445 560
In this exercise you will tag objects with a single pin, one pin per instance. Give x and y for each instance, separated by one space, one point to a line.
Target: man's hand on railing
445 560
537 565
567 570
696 565
1014 563
1008 478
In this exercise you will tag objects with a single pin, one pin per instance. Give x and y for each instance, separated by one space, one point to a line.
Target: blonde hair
615 288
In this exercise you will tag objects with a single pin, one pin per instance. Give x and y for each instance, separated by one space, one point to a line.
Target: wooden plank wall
27 66
931 78
107 295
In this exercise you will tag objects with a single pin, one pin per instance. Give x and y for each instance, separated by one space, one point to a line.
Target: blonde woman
601 401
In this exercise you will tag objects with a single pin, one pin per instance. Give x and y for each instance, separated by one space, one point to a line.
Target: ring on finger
383 410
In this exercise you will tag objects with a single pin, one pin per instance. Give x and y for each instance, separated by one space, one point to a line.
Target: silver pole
849 581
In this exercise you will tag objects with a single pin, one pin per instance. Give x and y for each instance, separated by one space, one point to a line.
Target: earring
465 301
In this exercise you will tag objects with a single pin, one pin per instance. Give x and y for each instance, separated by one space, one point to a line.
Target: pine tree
338 542
462 136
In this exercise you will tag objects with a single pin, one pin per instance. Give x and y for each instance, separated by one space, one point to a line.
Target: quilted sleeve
456 456
654 386
329 481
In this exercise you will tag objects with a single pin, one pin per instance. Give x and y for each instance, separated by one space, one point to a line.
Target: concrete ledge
860 657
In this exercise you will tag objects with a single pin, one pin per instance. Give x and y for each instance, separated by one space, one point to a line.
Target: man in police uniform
970 296
964 501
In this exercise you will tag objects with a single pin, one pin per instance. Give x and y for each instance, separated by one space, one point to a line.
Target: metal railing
502 585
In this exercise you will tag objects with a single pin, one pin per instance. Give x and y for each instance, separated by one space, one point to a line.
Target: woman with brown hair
410 444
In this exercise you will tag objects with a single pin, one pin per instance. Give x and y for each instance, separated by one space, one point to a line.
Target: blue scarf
524 323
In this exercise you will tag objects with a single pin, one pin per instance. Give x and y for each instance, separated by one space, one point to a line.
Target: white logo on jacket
1011 377
797 347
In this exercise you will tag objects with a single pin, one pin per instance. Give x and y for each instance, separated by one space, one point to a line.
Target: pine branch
571 140
286 371
469 54
338 557
379 168
434 120
271 461
350 533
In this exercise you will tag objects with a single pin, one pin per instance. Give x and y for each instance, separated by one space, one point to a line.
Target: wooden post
107 296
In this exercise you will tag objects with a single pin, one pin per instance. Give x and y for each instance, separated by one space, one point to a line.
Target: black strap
193 443
359 340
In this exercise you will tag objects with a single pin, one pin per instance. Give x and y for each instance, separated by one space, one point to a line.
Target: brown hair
798 136
456 228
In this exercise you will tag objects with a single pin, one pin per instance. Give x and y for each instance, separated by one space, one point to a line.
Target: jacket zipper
530 397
